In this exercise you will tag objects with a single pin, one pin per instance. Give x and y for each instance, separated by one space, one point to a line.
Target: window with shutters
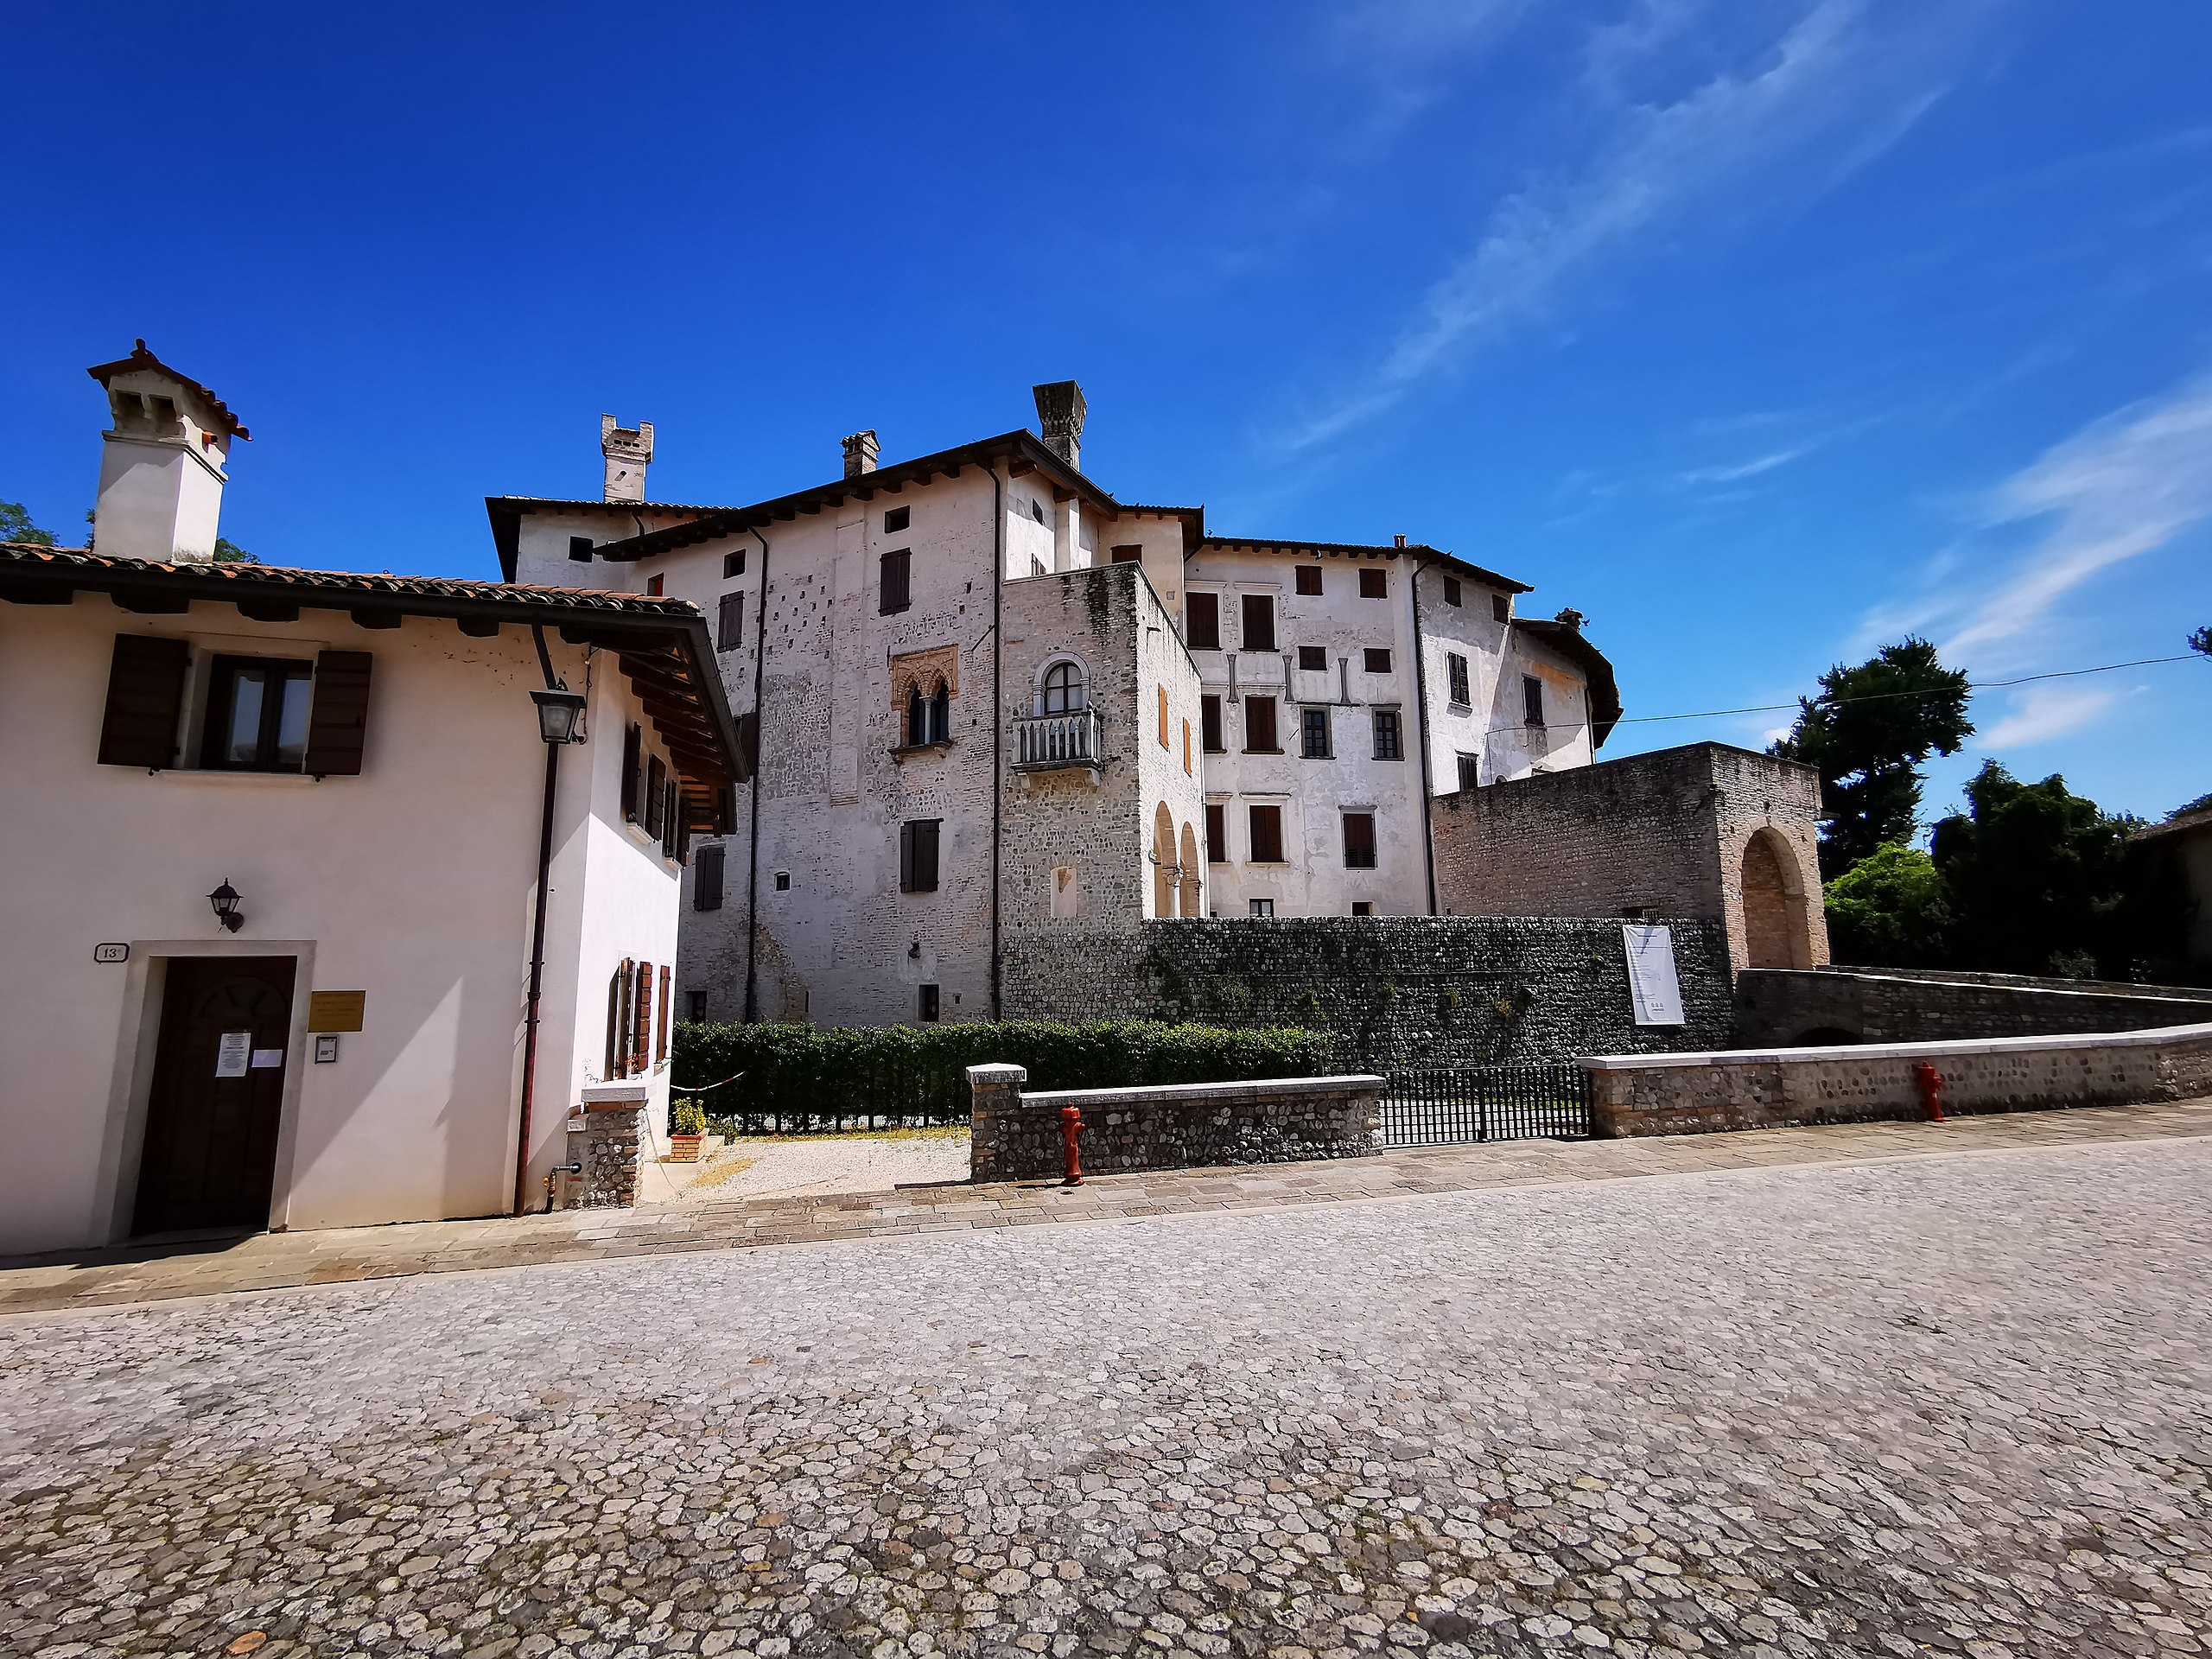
706 878
1186 747
655 802
926 1004
1309 579
1532 700
672 839
1374 584
1455 667
894 590
1386 746
660 1037
918 848
1313 733
1313 659
1201 622
1209 724
897 520
1259 726
1471 772
641 1023
1451 591
616 1061
1217 833
1163 715
1259 622
633 765
1359 840
1376 659
256 715
1501 607
729 622
145 702
1266 835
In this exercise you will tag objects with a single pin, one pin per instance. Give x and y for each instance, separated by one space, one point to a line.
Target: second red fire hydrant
1931 1089
1070 1129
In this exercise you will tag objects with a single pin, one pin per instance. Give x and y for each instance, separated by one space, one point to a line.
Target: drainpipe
998 710
752 833
536 937
1420 697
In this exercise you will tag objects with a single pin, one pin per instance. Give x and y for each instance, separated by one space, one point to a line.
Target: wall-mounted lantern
225 898
560 715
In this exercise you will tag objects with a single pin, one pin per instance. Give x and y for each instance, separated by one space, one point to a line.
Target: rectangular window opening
1309 580
917 850
1266 835
257 711
1128 553
926 1006
1363 907
894 589
1259 617
1532 700
897 520
1201 622
1313 733
1209 724
1451 591
1359 840
1471 772
729 622
1456 670
1501 607
1260 726
1313 659
1386 747
733 565
1217 833
1374 584
1376 659
580 548
1260 908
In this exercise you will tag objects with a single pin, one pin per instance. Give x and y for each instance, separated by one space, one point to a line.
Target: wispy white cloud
2122 486
1840 84
1741 470
2046 712
1401 54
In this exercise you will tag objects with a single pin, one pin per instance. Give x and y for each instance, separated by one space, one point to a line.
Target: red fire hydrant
1931 1089
1070 1129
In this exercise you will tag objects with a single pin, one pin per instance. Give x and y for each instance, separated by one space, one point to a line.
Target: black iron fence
1435 1105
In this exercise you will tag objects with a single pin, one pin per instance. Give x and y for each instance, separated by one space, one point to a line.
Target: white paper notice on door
1651 981
268 1059
233 1053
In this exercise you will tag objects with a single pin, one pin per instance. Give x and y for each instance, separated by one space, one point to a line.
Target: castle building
981 698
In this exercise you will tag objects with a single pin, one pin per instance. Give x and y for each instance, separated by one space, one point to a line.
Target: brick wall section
1183 1126
1759 1088
1392 989
1775 1008
1663 833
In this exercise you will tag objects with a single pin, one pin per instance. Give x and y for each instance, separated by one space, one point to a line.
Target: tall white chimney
161 460
627 451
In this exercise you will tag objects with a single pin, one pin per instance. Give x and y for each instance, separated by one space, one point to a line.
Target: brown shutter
338 720
145 697
1202 620
660 1043
748 753
707 878
655 805
613 1026
641 1029
729 622
632 740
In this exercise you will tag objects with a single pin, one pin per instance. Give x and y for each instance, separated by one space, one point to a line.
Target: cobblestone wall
1183 1126
605 1141
1391 988
1756 1089
1776 1007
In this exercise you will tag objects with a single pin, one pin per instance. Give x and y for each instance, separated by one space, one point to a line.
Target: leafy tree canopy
16 525
229 552
1890 909
2034 873
1868 733
2201 640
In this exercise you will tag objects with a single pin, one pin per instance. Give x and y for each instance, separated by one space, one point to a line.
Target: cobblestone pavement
700 1223
1955 1405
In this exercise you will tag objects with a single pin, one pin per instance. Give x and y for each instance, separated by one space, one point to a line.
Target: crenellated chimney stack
628 451
859 454
1059 416
161 473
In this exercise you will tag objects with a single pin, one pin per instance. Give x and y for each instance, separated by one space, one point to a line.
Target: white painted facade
412 882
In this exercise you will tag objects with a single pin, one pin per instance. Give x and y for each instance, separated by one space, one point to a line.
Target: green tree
16 525
1891 910
2201 640
2037 875
229 552
1868 733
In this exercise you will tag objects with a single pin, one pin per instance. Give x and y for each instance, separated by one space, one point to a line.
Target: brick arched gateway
1777 928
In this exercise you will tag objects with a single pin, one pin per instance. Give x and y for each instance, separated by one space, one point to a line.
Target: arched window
940 713
1064 692
918 723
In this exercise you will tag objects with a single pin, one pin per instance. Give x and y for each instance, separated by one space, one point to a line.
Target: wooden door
210 1154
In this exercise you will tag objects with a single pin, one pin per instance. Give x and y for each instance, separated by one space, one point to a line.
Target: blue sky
1760 331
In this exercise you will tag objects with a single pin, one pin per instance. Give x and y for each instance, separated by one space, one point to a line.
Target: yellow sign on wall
335 1010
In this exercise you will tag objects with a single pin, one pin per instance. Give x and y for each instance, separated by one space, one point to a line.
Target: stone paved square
1957 1404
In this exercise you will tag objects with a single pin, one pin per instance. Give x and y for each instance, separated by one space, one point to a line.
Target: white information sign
233 1053
268 1058
1651 979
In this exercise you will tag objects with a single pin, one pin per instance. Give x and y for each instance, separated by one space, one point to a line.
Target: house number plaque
110 953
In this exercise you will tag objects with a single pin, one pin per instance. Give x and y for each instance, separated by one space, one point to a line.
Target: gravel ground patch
841 1163
1958 1405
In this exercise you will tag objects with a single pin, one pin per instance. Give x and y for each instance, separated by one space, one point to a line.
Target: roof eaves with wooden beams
662 645
1604 691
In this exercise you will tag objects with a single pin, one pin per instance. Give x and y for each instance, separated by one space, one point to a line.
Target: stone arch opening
1188 893
1777 932
1164 871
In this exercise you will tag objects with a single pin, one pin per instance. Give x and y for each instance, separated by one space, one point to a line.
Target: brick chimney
627 451
1059 417
859 454
161 473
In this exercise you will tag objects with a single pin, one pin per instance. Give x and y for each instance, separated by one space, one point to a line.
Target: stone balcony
1042 742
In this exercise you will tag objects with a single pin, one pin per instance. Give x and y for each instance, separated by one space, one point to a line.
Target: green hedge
800 1077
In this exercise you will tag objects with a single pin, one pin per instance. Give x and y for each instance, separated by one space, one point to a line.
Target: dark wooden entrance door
210 1156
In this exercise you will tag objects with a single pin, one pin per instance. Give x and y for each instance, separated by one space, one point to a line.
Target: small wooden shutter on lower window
145 697
617 1022
337 719
641 1032
660 1042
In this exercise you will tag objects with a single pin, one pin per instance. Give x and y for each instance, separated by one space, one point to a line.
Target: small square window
927 1008
783 880
580 548
1313 659
1261 907
1374 584
654 585
733 565
897 520
1452 590
1363 907
1309 579
1377 659
1501 607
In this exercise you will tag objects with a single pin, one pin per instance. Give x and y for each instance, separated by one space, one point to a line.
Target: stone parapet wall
1394 990
1759 1088
1180 1126
607 1140
1780 1007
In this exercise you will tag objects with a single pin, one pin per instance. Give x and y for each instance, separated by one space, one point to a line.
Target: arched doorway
1189 894
1163 862
1776 934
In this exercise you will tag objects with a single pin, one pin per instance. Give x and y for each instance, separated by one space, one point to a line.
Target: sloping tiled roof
1604 691
140 357
1365 549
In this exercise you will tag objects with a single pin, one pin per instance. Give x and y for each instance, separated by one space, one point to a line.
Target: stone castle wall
1393 989
1779 1008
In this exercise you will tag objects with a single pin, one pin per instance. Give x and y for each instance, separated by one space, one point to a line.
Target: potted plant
691 1130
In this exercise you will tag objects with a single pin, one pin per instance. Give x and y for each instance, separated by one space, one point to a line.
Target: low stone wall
604 1142
1759 1088
1178 1126
1778 1008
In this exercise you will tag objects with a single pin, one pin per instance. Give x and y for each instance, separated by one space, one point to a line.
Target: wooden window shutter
672 817
655 801
633 741
906 857
748 752
613 1067
925 839
337 719
707 885
641 1018
660 1042
729 622
145 697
